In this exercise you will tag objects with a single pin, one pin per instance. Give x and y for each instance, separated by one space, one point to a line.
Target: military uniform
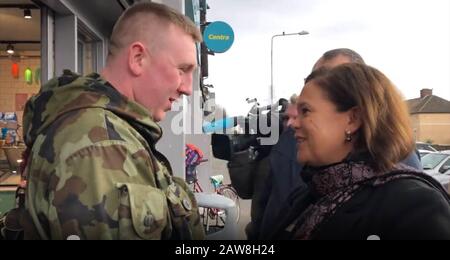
93 171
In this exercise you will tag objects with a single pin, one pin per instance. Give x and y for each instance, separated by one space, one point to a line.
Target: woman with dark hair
352 131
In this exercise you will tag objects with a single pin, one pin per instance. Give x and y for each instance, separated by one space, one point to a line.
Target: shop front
38 40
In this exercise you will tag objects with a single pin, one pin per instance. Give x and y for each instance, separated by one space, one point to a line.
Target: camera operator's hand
247 169
262 151
242 142
250 144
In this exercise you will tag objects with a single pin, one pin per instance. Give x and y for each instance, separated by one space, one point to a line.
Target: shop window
87 50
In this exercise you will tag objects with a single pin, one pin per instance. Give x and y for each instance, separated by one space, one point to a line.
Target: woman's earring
348 136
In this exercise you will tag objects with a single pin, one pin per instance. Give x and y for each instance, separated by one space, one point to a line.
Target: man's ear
354 119
136 58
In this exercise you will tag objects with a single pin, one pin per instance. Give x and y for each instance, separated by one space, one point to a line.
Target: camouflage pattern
93 170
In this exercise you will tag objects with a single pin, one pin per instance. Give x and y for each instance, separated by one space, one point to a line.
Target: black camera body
260 125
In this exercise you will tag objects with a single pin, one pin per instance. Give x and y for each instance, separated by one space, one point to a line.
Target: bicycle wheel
204 218
211 220
230 192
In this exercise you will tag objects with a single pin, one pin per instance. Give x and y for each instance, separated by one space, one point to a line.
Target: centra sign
218 36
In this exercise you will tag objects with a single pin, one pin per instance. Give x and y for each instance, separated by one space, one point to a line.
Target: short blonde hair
135 22
386 132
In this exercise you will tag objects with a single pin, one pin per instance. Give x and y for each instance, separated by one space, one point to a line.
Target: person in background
352 129
284 176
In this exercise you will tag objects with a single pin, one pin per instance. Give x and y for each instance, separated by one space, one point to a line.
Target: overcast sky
408 40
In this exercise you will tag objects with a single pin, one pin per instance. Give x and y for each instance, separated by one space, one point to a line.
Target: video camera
258 131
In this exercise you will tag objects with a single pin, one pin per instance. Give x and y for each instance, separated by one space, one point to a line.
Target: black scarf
330 187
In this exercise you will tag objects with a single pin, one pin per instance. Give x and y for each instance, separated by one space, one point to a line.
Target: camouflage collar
72 92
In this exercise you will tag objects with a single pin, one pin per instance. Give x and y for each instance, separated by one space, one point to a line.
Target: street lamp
271 58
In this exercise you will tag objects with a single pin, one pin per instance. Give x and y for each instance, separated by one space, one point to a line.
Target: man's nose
290 122
186 85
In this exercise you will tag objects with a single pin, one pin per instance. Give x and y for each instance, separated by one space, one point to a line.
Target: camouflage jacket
93 171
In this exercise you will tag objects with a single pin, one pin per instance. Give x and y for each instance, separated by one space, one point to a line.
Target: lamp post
271 57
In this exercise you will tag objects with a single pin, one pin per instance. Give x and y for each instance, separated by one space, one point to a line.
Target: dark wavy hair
385 132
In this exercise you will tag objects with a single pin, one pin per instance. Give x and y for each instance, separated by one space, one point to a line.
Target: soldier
93 170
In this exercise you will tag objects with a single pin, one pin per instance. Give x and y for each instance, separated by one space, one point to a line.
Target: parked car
422 153
425 147
437 164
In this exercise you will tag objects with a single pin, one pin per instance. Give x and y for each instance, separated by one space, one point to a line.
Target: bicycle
212 218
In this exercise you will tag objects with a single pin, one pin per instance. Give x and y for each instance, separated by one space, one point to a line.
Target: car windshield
422 154
423 146
431 160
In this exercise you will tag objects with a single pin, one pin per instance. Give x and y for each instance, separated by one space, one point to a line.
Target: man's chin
159 116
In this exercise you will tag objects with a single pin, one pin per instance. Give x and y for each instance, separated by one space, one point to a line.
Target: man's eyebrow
188 66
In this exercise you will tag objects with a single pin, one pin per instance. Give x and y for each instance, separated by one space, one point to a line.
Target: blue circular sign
218 37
